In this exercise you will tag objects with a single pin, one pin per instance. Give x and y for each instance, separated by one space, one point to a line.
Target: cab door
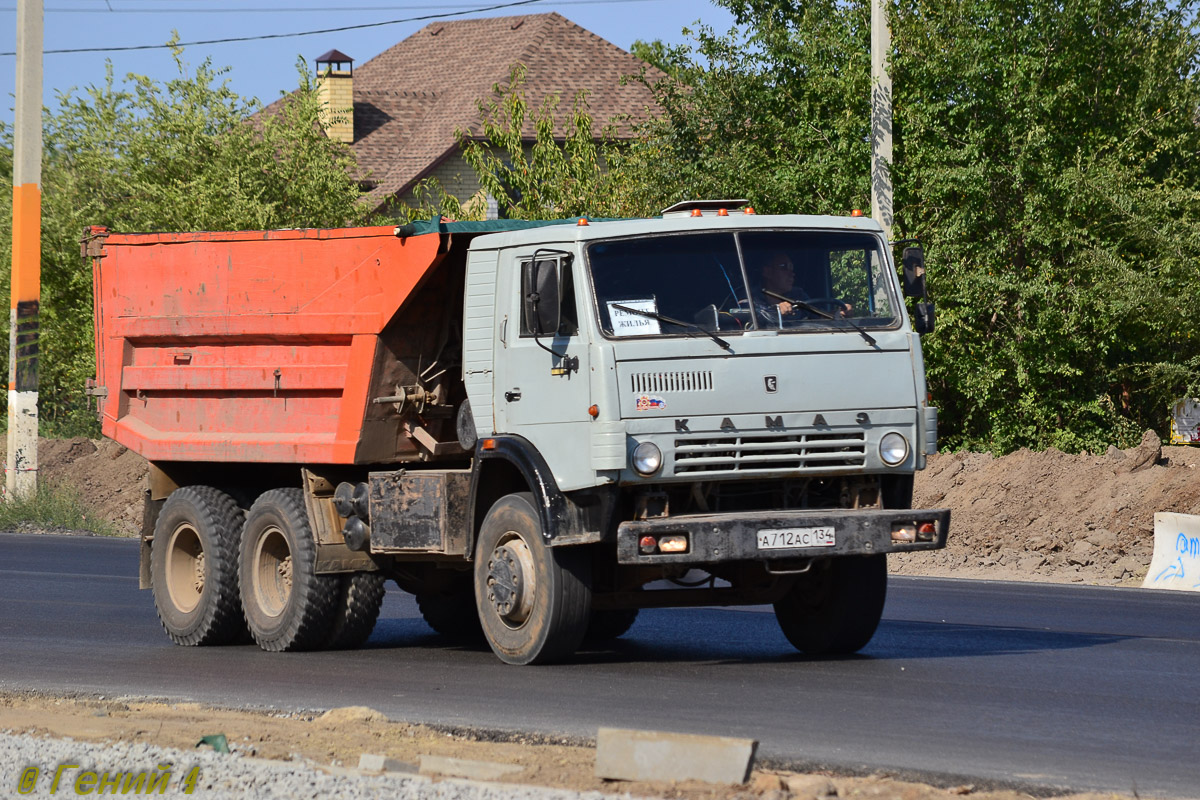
541 381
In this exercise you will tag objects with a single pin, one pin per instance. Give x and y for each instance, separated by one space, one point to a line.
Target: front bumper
716 538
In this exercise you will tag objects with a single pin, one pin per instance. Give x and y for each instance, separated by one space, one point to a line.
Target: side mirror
914 272
923 317
541 290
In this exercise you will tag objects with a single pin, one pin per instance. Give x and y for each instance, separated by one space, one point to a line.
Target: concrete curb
633 755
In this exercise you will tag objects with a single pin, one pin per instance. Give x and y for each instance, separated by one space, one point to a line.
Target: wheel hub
185 570
198 578
510 581
272 572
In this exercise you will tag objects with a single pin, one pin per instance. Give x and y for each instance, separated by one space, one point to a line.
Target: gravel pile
218 775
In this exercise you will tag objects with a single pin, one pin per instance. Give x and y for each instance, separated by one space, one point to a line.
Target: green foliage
183 155
51 508
776 114
674 60
1047 154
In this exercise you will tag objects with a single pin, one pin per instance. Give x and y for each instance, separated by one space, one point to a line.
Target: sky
264 68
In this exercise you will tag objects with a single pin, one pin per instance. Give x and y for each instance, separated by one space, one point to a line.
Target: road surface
1022 684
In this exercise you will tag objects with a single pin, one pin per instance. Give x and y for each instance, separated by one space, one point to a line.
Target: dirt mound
1054 516
1046 516
109 479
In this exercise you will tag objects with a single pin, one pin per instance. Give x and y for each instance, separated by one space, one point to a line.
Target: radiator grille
678 381
767 453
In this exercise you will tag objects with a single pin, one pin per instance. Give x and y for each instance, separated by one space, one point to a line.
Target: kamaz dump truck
536 428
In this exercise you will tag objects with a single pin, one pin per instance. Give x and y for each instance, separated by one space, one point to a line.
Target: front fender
579 517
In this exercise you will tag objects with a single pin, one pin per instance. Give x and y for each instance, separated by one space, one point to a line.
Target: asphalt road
1021 684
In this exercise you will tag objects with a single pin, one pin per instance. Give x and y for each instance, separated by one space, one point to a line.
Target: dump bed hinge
93 389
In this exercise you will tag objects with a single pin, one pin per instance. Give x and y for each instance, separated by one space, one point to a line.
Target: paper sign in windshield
627 323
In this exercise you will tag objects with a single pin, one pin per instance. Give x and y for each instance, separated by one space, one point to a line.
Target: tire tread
359 599
315 597
223 622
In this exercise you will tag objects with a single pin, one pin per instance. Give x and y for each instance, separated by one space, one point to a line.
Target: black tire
356 608
835 608
609 624
287 605
533 600
193 567
452 613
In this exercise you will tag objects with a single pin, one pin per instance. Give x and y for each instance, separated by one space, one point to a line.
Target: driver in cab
778 275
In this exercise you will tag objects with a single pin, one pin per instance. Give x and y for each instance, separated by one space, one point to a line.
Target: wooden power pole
881 117
21 467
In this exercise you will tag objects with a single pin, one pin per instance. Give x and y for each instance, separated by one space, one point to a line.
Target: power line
287 35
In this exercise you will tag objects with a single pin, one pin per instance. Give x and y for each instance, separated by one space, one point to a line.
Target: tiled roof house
409 100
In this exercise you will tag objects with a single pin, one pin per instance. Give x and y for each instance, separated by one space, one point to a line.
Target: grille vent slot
765 453
677 381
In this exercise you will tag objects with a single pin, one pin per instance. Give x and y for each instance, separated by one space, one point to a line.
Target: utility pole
21 467
881 117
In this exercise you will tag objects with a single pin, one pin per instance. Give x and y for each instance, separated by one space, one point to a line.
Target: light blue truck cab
713 407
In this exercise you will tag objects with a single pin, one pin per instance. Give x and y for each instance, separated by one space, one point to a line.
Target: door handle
513 396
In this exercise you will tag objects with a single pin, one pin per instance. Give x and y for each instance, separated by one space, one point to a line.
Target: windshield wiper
670 321
814 310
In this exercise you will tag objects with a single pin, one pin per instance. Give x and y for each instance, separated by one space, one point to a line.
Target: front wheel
835 608
533 600
287 605
608 624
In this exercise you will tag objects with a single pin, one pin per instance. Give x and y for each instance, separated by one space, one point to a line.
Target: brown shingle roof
410 99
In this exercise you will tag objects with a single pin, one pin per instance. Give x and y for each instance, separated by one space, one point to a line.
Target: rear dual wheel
356 609
193 567
449 609
287 605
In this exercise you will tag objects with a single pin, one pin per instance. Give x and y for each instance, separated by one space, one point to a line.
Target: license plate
786 538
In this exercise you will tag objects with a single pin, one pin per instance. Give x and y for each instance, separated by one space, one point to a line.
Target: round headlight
893 449
647 458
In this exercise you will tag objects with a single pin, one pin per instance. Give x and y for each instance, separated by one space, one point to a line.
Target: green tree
182 155
1047 153
674 60
774 111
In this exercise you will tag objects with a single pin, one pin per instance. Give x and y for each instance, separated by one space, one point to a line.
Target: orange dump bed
250 346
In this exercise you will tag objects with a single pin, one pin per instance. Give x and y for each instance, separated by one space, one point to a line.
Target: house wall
456 177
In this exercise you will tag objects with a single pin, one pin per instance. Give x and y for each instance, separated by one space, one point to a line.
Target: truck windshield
739 281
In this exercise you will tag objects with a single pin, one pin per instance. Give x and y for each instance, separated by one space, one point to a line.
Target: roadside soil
338 737
1027 516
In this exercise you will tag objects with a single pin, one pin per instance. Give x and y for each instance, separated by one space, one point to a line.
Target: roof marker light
722 212
582 222
749 210
856 212
697 212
